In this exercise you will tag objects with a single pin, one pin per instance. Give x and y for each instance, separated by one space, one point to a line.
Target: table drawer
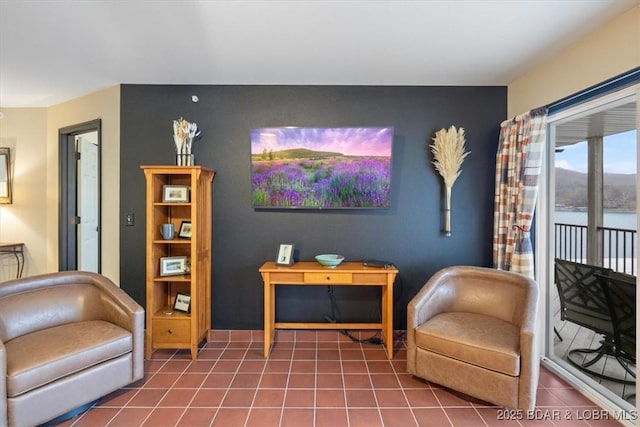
370 278
286 277
328 277
171 330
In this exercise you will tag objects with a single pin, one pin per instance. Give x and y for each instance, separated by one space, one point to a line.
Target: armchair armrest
434 297
529 312
4 420
530 357
120 309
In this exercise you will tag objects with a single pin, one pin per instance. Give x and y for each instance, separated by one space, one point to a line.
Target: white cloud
620 166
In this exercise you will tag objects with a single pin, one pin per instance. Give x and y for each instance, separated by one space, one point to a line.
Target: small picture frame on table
182 302
185 230
173 265
175 193
285 254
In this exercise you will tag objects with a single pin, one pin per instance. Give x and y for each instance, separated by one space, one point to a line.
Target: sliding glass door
587 225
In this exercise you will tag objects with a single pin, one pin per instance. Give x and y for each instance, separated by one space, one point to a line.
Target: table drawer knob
170 330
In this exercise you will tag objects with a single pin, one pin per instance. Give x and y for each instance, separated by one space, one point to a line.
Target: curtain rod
620 81
540 111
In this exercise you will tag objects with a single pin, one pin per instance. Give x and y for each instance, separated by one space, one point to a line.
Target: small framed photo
285 254
185 230
182 302
173 265
175 193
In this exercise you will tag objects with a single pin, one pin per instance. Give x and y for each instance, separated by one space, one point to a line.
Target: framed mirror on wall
5 175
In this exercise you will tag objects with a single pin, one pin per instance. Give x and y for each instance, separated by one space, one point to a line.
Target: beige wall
104 105
605 53
32 133
23 130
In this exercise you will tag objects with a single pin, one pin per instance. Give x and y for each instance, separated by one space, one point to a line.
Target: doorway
591 220
80 196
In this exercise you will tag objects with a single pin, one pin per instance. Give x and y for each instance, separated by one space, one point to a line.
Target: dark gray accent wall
408 234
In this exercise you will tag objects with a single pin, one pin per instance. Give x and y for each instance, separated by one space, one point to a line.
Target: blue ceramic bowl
329 260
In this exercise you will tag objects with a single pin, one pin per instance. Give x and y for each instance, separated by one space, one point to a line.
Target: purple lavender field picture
321 167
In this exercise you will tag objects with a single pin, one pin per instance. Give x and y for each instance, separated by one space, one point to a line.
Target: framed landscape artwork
321 168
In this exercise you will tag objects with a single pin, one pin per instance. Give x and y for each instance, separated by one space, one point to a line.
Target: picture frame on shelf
175 194
185 230
182 302
285 254
173 265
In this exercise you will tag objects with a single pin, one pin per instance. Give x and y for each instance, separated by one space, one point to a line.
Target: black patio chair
583 302
620 292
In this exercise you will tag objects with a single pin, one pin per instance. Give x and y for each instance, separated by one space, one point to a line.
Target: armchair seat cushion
477 339
44 356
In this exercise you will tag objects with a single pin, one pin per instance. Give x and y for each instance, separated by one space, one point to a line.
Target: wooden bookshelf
165 326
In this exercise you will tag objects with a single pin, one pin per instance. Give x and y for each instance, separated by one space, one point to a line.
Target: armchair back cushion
33 309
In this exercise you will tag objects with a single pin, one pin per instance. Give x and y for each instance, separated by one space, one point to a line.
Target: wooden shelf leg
194 351
148 349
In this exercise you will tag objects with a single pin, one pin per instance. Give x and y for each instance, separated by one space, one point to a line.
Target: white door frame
68 189
545 238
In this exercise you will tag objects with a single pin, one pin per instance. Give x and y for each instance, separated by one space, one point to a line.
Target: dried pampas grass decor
448 155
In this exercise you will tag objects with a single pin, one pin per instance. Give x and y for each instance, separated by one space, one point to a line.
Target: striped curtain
518 164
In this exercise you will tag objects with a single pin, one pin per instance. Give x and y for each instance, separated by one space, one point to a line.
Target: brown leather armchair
472 329
66 339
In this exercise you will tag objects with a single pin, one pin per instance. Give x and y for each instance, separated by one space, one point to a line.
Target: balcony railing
619 251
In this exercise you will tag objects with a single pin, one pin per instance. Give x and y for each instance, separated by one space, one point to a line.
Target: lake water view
625 220
620 248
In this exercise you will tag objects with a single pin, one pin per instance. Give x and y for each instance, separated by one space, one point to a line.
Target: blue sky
619 154
363 141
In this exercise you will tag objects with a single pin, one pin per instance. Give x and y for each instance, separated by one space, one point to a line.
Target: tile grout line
402 388
217 411
375 396
169 388
286 389
199 387
255 394
315 384
124 405
344 388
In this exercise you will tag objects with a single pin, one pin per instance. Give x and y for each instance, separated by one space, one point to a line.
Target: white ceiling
56 50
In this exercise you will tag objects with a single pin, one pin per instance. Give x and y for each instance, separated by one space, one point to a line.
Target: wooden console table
313 274
17 249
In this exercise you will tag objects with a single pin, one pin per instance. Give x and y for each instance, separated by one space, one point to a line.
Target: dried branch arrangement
184 133
448 154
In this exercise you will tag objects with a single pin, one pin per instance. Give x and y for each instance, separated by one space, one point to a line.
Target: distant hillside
619 190
620 179
295 153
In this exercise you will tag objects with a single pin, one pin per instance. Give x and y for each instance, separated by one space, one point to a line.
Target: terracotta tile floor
311 379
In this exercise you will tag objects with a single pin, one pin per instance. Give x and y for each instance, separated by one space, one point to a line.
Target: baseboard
249 335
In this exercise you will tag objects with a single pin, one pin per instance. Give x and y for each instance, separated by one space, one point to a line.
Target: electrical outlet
128 219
